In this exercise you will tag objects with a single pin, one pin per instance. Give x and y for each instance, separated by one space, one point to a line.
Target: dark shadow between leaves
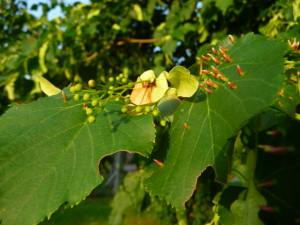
115 123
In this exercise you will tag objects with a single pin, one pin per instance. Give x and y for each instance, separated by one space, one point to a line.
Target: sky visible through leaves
54 12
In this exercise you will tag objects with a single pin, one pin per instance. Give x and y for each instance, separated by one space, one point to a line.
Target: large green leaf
223 5
49 154
213 120
245 210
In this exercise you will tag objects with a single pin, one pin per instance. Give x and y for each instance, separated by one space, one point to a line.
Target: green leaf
47 87
289 97
138 12
223 5
129 196
245 209
49 154
42 56
212 121
185 83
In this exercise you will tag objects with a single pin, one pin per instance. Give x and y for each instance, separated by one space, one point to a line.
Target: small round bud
127 100
131 84
147 109
155 112
91 119
124 80
78 87
89 111
86 96
76 97
72 89
138 108
94 102
111 79
124 109
102 78
117 99
163 123
92 83
111 88
77 78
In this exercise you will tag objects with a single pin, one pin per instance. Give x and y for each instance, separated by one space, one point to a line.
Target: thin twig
137 41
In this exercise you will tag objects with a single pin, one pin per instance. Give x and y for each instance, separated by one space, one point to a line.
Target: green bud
117 99
72 89
76 97
111 79
155 112
163 123
124 80
92 83
94 102
127 100
91 119
111 88
77 78
86 96
147 109
124 109
131 84
102 78
89 111
138 108
78 87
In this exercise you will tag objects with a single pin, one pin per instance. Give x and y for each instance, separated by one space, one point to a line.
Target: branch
137 41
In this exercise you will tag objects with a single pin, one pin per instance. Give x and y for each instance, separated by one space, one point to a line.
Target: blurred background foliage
104 38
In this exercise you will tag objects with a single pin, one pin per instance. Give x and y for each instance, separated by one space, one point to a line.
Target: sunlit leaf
202 126
46 86
185 83
42 55
49 154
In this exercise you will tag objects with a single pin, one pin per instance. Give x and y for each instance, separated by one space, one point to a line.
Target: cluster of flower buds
89 98
115 89
132 109
116 82
139 109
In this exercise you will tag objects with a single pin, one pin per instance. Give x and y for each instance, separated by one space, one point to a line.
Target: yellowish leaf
181 79
47 87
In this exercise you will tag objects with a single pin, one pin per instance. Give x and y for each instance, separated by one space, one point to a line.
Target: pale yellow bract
149 88
46 86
